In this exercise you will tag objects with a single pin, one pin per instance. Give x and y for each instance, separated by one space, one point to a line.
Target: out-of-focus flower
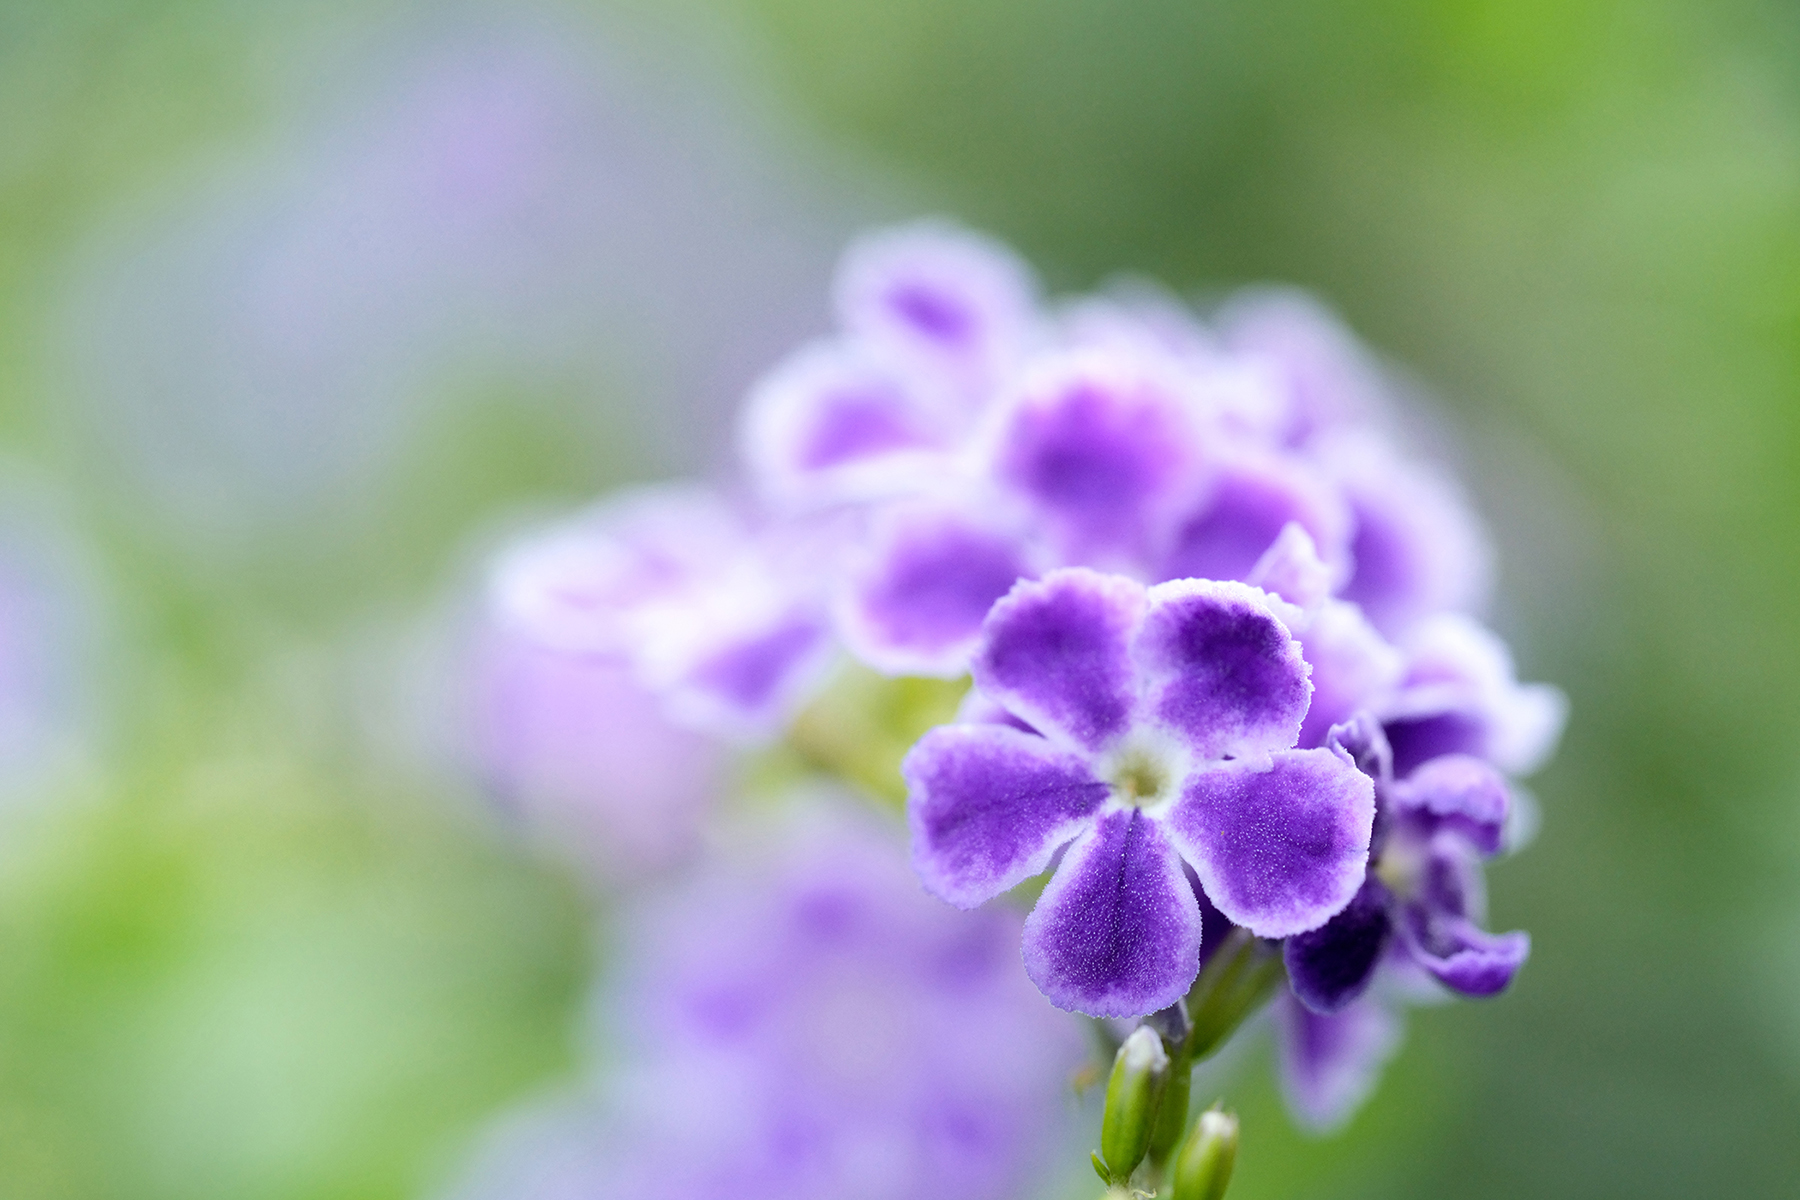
722 621
799 1021
577 749
1330 1063
1164 721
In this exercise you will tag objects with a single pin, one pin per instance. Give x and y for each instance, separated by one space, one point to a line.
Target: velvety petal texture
1055 652
1280 849
990 805
1117 931
1222 673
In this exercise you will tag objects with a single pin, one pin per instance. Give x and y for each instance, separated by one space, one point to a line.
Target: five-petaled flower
1150 727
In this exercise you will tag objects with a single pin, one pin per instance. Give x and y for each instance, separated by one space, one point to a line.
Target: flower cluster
1221 626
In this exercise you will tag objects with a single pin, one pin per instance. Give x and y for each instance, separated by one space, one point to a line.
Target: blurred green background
246 952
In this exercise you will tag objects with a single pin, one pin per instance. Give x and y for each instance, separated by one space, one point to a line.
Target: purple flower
1460 695
956 307
1423 898
836 424
1330 1063
917 590
724 622
1417 548
1163 722
575 746
801 1022
1103 448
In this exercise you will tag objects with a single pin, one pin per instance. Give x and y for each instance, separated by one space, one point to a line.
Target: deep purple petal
1222 672
1102 452
1332 965
1417 740
1245 510
989 806
1117 931
917 604
1457 793
1462 956
1280 850
1054 652
1329 1064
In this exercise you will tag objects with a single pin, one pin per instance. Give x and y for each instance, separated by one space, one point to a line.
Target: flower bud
1132 1093
1203 1168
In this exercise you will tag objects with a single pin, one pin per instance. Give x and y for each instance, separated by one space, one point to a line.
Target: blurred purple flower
801 1022
725 623
1163 723
576 747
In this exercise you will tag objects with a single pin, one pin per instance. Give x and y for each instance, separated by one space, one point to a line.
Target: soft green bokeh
237 960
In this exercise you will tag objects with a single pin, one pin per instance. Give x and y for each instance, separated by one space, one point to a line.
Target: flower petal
1282 848
1330 966
948 301
1292 569
574 586
748 685
1461 696
1457 793
831 424
916 604
1418 548
1053 652
1103 447
1117 931
1461 955
1246 507
1222 672
1329 1064
1353 668
989 806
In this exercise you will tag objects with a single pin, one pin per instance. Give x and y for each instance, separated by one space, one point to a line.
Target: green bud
1172 1111
1139 1072
1203 1168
